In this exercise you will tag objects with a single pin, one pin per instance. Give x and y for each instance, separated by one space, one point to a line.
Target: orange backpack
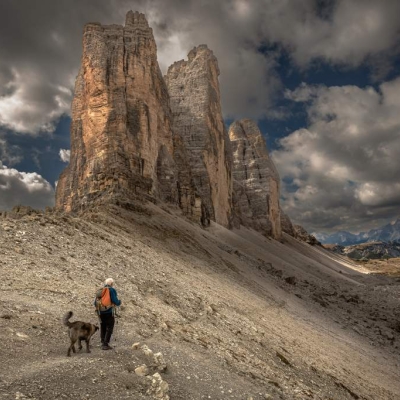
103 299
106 298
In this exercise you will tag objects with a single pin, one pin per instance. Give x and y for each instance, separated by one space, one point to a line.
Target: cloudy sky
322 77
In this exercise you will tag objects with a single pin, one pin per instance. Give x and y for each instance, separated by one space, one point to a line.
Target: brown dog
78 331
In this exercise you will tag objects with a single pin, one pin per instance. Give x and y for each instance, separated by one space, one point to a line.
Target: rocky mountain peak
200 49
136 19
122 142
141 136
236 131
193 87
386 233
202 53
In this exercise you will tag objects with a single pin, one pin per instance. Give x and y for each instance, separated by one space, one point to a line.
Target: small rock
22 335
159 361
147 351
136 345
159 388
164 326
291 280
143 370
283 358
209 310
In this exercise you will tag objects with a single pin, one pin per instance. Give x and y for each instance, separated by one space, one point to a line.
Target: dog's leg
71 347
87 345
80 345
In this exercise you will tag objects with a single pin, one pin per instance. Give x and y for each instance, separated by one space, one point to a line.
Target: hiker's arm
114 298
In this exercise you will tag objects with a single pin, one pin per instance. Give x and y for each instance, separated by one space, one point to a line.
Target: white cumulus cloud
25 188
343 168
65 155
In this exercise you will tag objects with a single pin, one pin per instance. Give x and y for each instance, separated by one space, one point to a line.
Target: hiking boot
106 347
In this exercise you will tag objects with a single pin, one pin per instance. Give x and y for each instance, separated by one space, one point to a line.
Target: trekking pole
116 317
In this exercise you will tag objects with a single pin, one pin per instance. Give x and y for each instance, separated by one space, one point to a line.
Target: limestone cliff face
135 135
121 135
195 103
256 180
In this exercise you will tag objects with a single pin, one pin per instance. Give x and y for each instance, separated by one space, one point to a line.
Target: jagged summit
133 19
236 131
137 135
197 117
136 19
201 48
122 142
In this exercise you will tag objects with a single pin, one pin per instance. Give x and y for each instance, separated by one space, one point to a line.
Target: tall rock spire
121 133
136 135
255 179
195 103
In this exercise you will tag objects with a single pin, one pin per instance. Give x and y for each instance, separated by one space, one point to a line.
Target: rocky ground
207 313
367 251
389 267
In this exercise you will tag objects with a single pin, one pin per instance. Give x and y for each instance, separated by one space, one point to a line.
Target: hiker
106 311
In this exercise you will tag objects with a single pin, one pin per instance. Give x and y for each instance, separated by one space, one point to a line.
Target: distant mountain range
386 233
367 251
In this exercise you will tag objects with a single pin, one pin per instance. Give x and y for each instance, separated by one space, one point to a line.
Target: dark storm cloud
40 46
232 29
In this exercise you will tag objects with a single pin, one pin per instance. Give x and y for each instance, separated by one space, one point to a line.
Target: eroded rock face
121 134
256 180
135 135
301 234
286 224
195 103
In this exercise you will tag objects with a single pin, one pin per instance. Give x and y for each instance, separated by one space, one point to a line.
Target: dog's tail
66 318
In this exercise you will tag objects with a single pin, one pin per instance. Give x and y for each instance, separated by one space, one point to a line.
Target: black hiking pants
106 327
